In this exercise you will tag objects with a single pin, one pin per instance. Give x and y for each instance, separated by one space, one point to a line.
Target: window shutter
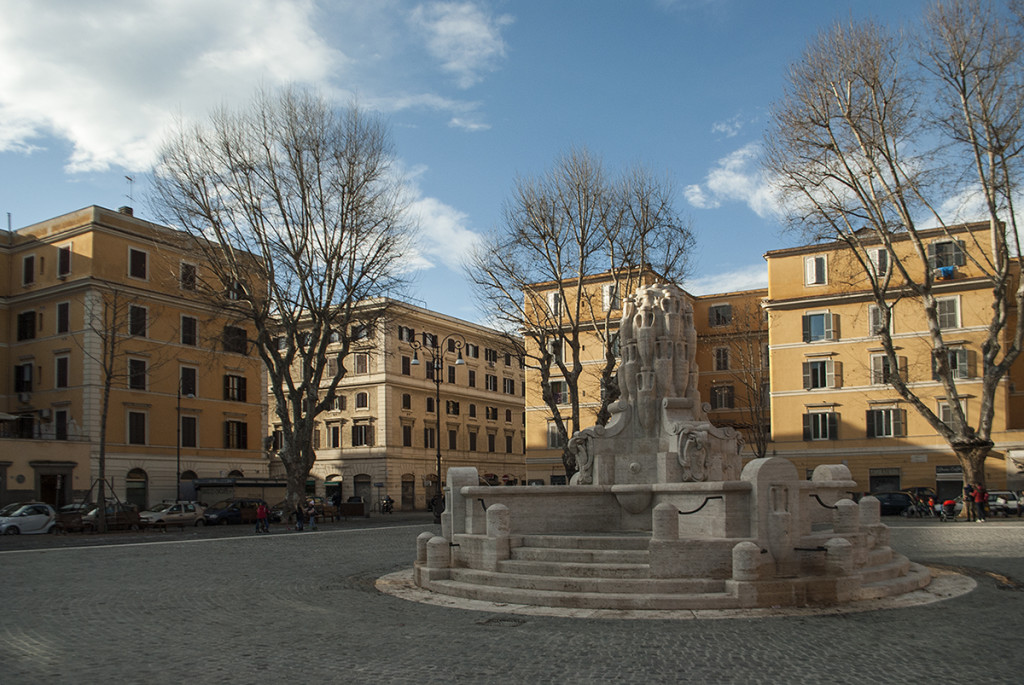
807 328
833 426
871 422
932 261
968 363
960 256
227 434
830 374
807 426
227 389
837 374
809 270
832 327
902 368
807 375
899 421
241 389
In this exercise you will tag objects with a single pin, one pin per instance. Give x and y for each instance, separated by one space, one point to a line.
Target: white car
28 518
174 514
1003 503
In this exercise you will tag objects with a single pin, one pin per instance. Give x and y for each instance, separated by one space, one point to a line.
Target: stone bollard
845 518
665 522
438 553
421 546
499 521
870 511
746 561
839 557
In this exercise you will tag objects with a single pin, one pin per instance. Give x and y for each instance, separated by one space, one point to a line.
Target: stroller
948 511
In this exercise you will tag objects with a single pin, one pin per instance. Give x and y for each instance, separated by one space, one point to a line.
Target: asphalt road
224 605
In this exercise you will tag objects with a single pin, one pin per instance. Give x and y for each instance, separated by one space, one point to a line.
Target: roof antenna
131 182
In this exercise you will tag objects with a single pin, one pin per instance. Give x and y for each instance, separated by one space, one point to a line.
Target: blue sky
476 93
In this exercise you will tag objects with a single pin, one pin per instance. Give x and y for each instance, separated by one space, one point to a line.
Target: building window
945 254
27 325
236 435
316 438
508 416
472 411
490 442
508 444
362 363
879 319
472 378
406 435
946 411
453 439
821 426
406 401
960 364
491 382
492 413
720 315
429 339
472 441
360 332
187 379
137 320
882 372
334 436
63 261
430 404
820 326
235 291
886 423
278 439
63 317
189 432
722 397
554 304
472 351
406 366
137 263
559 392
821 373
509 386
23 377
187 276
947 310
235 340
490 356
28 270
60 424
61 372
136 428
721 359
610 299
815 270
332 368
339 403
452 408
235 388
429 437
879 261
406 334
555 438
362 400
137 374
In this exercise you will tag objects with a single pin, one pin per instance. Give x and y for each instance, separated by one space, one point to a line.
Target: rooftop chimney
126 210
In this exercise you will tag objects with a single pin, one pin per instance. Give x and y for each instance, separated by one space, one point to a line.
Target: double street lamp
436 351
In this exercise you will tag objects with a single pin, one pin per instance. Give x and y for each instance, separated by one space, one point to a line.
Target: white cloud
745 278
736 178
468 124
444 236
729 127
464 38
108 76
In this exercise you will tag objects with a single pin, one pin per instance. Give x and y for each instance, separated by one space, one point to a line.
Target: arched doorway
136 488
408 492
363 487
236 474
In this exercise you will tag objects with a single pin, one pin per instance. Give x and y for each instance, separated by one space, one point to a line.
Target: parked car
174 514
70 515
28 518
1003 503
119 515
235 510
893 503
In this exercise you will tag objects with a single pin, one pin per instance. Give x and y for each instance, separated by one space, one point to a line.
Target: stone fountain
662 514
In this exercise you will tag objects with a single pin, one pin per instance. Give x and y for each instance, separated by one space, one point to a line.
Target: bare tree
297 210
876 134
563 232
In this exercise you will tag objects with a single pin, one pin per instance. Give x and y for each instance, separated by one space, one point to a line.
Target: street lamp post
454 343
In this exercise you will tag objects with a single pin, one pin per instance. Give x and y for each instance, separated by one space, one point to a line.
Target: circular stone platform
944 585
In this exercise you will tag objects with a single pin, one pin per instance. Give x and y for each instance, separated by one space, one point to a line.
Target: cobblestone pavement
224 605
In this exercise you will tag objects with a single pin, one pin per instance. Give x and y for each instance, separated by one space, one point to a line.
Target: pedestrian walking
311 515
968 500
980 500
300 515
262 515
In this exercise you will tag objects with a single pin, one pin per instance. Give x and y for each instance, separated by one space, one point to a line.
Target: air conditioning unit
44 414
24 397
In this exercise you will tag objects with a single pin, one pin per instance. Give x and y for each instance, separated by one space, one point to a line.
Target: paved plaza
226 606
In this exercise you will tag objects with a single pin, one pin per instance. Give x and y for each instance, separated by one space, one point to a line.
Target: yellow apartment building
829 398
381 437
729 327
186 395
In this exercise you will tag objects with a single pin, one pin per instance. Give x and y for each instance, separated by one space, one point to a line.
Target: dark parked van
236 510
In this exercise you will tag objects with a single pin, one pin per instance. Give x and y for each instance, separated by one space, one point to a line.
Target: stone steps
916 577
638 541
630 557
602 585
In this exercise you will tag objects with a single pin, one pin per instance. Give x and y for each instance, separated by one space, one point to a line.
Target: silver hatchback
28 518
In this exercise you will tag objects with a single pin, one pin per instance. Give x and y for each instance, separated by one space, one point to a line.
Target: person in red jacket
980 499
262 514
